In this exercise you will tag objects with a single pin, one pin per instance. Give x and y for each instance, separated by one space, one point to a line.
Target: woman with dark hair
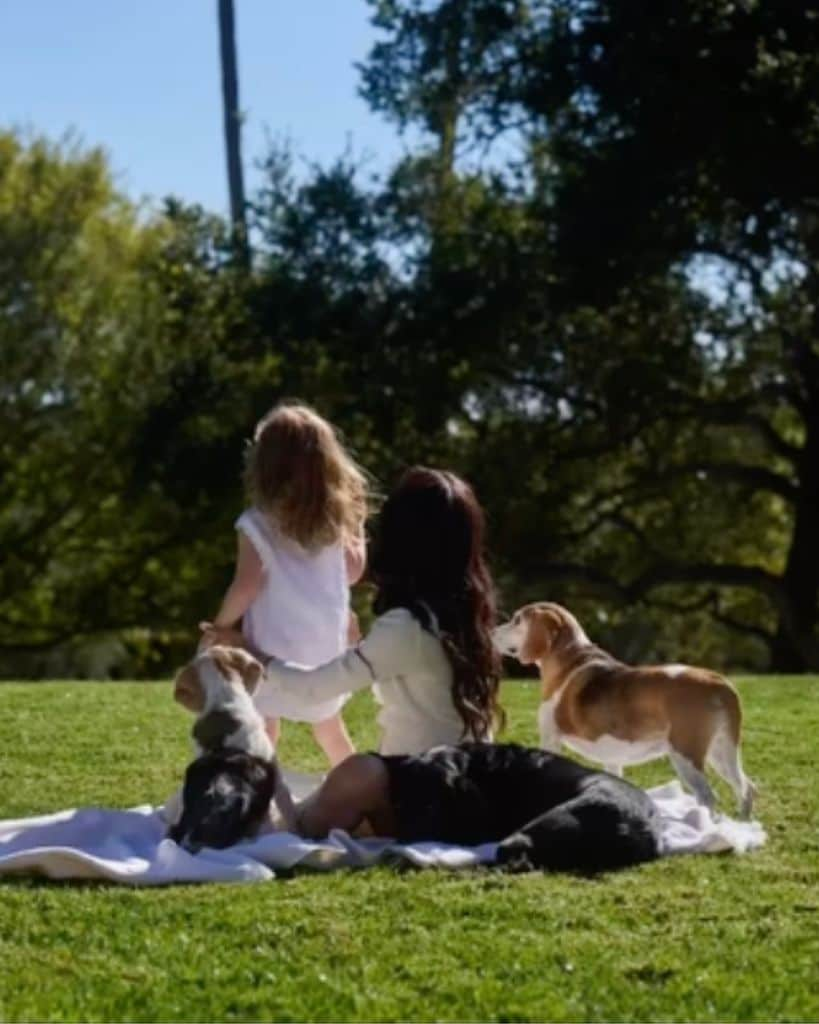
429 653
429 560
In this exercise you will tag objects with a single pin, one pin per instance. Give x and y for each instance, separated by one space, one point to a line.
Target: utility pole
233 128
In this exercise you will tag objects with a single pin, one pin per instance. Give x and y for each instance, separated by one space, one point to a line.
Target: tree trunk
796 646
233 125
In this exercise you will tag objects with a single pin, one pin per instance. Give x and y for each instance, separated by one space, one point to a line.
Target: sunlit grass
694 938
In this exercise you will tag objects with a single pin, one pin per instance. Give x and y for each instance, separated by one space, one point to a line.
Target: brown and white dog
621 715
218 686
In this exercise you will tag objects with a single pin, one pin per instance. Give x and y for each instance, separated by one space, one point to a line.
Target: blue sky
141 78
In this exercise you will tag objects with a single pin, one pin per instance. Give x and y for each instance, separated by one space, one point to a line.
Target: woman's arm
247 582
389 649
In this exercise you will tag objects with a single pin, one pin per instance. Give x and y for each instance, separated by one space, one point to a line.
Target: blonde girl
300 547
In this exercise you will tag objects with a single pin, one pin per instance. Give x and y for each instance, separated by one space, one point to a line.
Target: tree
432 71
672 165
588 288
106 317
716 168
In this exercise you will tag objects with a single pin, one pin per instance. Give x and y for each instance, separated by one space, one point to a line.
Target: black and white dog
546 811
230 786
226 797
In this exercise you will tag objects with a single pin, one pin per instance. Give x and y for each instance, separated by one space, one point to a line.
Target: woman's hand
226 636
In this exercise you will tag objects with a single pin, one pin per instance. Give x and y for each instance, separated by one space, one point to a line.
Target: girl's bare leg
333 738
273 728
354 792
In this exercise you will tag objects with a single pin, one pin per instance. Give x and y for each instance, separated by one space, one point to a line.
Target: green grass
694 938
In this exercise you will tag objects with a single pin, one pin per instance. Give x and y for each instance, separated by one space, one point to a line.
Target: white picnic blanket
130 847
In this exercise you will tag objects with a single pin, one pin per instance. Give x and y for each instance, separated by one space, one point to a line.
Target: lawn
693 938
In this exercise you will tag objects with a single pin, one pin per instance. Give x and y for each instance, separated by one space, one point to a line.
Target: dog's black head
225 798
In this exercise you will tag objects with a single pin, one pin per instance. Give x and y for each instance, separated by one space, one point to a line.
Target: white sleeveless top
299 615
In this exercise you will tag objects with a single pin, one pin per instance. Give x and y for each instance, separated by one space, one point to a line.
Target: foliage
108 320
666 279
590 285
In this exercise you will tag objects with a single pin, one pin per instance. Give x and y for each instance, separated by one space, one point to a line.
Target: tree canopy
590 286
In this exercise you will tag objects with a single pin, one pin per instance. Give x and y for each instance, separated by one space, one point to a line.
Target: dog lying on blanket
546 811
619 715
593 821
230 785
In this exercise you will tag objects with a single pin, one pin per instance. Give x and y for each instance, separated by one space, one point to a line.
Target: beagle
620 715
218 686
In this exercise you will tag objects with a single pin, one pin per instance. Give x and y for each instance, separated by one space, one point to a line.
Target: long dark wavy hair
428 557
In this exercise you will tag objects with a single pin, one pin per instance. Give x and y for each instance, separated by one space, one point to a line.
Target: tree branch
665 574
757 478
575 572
711 603
721 574
805 363
736 413
740 627
619 521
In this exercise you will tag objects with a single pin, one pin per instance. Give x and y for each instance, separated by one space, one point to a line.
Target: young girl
301 546
430 650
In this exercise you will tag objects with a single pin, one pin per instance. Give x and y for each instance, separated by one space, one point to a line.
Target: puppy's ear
251 671
233 659
187 689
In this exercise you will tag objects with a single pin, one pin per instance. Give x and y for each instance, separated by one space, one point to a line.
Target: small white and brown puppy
235 759
619 715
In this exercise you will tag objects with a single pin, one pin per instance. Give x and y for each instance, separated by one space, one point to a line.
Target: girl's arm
247 582
355 556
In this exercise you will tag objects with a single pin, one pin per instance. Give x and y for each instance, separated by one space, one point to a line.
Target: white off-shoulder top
410 671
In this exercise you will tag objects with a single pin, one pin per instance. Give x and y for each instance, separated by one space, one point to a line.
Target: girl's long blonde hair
299 475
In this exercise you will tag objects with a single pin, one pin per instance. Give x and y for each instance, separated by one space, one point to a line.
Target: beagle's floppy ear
544 627
234 659
188 690
537 640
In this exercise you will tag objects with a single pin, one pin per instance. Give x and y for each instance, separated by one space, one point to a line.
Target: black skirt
477 792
